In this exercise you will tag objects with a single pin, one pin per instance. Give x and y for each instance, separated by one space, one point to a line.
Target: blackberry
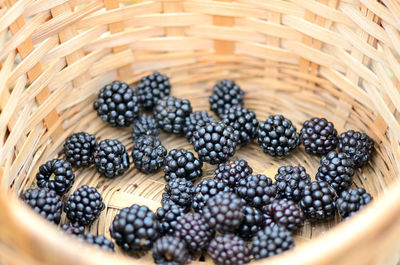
56 175
252 222
271 241
148 154
194 121
170 250
242 120
195 231
99 241
117 104
144 125
257 190
285 213
170 114
206 189
318 202
290 182
166 199
277 136
167 216
352 200
135 228
358 146
229 250
111 159
268 220
318 136
79 149
224 212
225 95
84 205
45 202
182 164
181 191
73 229
215 142
152 88
231 172
336 169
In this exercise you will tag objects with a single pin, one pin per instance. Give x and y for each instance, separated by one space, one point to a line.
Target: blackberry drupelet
257 190
79 149
181 191
56 175
358 146
170 250
148 154
318 202
166 199
225 95
268 220
111 159
73 229
290 182
45 202
231 172
206 189
229 250
152 88
194 121
181 163
117 104
84 205
167 216
170 114
352 200
318 136
144 125
336 169
277 136
252 222
285 213
135 228
99 241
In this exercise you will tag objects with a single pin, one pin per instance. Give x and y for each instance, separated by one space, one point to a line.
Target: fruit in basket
290 182
194 121
111 159
99 241
79 149
351 201
73 229
206 189
358 146
167 216
181 163
252 222
181 191
285 213
144 125
229 250
148 154
152 88
170 250
56 175
225 95
257 190
231 172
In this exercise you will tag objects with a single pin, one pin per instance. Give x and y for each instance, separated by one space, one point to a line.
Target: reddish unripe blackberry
351 201
167 216
56 175
286 213
358 146
318 136
206 189
170 250
229 250
79 149
231 172
152 88
194 121
257 190
290 182
182 164
225 95
252 222
181 191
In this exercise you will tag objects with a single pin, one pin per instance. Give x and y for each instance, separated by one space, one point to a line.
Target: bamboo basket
337 59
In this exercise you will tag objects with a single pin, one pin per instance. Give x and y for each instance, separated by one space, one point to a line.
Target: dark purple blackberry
351 201
144 125
84 205
285 213
206 189
45 202
182 164
318 136
318 202
99 241
224 212
167 216
152 88
290 182
270 241
336 169
73 229
148 154
181 191
252 222
111 159
56 175
166 199
257 190
135 228
229 250
194 121
117 104
277 136
195 231
170 250
225 95
79 149
231 172
268 220
358 146
170 114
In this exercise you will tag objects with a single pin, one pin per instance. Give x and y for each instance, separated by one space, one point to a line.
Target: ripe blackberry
170 114
277 136
79 149
351 201
318 202
111 159
195 231
358 146
290 182
182 164
84 205
257 190
194 121
152 88
336 169
206 189
318 136
148 154
252 222
117 104
232 172
135 228
99 241
268 220
56 175
181 191
270 241
285 213
229 250
45 202
215 142
166 199
224 212
167 216
144 125
225 95
170 250
73 229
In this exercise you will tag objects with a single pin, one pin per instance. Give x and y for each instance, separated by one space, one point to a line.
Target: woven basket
301 58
